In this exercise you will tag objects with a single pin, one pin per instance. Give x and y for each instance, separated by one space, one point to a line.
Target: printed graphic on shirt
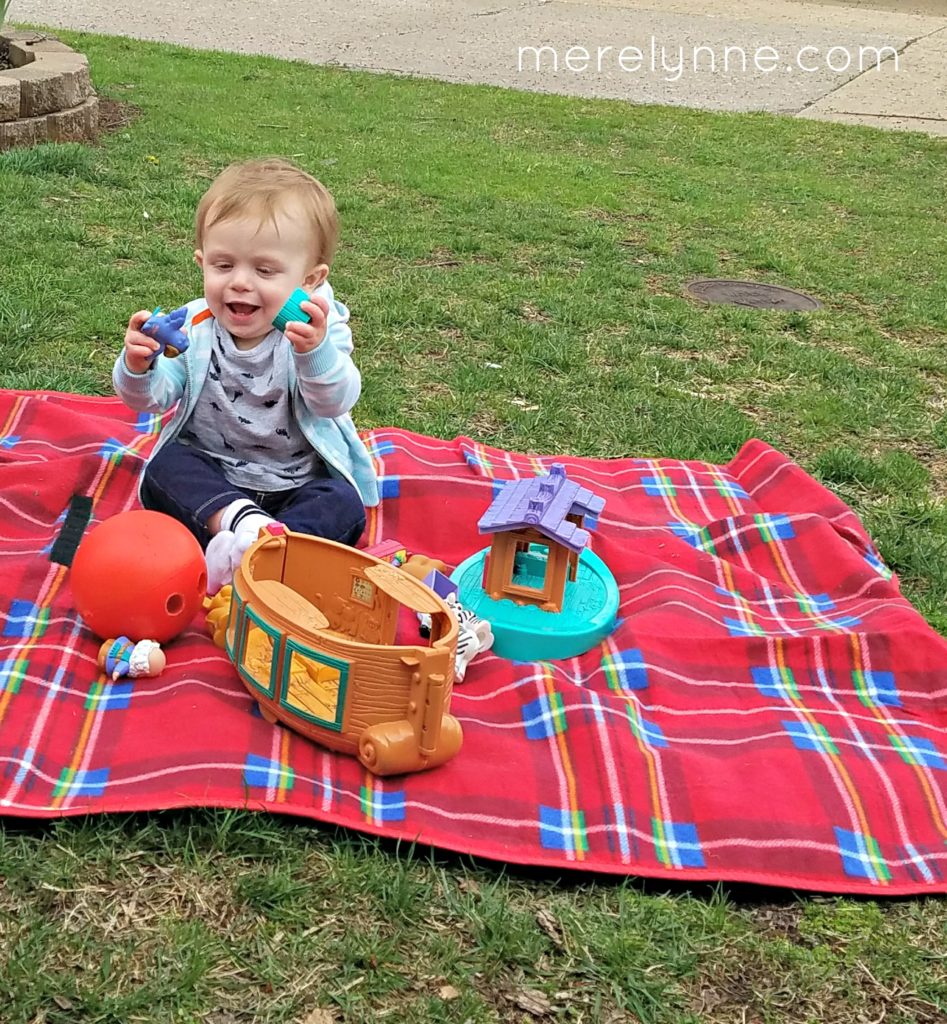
244 417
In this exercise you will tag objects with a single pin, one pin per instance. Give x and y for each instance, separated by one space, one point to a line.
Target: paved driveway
874 62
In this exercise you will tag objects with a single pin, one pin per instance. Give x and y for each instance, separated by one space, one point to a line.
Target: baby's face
250 269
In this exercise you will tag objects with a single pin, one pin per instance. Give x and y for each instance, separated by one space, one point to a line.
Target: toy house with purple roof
538 535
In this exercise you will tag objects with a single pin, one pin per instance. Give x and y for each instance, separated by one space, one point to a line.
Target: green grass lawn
551 237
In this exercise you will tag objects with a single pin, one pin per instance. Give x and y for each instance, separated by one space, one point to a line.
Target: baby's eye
265 271
222 266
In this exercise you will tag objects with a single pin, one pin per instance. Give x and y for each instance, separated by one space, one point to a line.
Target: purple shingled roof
543 504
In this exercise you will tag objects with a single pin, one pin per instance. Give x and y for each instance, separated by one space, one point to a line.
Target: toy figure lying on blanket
121 657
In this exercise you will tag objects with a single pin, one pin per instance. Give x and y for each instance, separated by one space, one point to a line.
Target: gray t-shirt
244 417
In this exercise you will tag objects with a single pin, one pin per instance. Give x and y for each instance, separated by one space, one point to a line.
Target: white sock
241 512
226 549
245 520
240 525
217 557
247 531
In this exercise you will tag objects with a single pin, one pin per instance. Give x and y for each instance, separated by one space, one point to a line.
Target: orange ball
139 574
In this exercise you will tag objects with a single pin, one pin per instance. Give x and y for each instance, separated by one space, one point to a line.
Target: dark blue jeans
191 487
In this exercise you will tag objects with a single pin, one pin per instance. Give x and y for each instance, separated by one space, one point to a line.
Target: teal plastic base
527 633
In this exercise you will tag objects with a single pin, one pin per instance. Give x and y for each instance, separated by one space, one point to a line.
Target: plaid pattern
770 709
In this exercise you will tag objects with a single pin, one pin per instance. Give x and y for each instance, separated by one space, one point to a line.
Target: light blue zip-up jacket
325 385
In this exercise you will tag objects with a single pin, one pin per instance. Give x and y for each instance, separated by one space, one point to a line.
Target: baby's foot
224 553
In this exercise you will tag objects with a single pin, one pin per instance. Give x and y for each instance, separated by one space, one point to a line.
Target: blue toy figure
165 328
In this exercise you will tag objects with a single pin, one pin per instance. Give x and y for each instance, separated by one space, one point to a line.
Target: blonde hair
265 188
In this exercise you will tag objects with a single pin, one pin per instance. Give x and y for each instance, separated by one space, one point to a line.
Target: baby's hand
139 348
306 337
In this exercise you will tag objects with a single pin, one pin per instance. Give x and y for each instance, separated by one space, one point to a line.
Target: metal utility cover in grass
752 294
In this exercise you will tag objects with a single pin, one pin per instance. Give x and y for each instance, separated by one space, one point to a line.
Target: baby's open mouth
242 308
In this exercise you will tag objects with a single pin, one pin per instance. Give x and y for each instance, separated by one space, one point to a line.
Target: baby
262 430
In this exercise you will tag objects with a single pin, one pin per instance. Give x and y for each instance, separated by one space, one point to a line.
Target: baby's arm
329 380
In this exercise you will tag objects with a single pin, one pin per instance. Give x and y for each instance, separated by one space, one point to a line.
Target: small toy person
121 657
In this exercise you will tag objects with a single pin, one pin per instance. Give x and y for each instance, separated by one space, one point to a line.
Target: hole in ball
175 604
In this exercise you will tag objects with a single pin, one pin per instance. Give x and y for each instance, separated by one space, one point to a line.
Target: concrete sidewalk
807 58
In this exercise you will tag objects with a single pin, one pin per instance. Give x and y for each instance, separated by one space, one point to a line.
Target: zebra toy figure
473 635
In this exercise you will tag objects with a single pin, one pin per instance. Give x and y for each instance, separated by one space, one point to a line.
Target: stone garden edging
47 95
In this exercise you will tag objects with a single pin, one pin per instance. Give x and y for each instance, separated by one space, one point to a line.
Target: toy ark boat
312 628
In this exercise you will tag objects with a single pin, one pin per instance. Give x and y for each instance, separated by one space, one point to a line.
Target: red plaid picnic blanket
770 708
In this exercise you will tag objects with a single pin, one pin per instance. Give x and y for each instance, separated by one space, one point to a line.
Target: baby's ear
199 258
315 277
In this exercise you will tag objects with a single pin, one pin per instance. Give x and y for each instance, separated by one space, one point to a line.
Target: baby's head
264 227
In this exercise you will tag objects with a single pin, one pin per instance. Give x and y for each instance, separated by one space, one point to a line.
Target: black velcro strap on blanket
77 519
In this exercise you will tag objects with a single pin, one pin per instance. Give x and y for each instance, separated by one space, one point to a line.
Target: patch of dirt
934 460
114 114
917 338
485 425
533 314
855 356
615 216
441 256
200 168
5 64
781 920
390 193
720 355
659 284
514 134
747 985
